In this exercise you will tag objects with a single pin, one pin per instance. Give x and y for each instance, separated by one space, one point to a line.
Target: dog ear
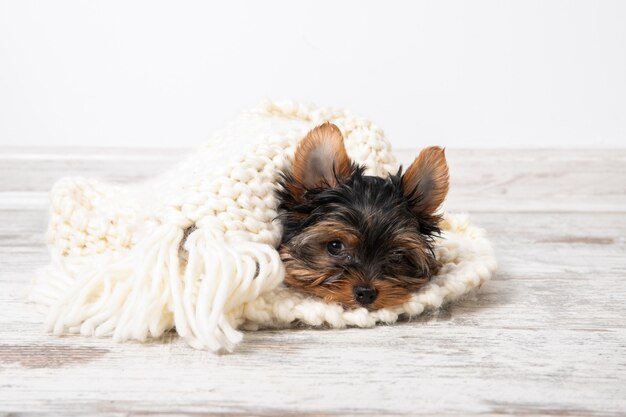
425 182
321 159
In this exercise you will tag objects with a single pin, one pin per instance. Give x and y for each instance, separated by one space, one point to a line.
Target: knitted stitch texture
195 248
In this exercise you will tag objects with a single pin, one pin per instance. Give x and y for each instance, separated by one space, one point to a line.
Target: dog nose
364 295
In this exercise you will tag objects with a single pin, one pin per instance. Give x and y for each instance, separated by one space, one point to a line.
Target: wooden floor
546 336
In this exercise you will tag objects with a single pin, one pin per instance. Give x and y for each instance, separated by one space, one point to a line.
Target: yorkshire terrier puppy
362 241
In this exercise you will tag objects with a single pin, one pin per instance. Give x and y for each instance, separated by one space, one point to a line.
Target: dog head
362 241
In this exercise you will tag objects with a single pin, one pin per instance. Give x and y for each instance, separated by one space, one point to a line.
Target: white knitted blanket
194 249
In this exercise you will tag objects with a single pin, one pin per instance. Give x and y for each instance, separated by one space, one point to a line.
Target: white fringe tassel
147 290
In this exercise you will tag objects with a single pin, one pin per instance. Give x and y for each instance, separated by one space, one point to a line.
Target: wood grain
546 337
481 180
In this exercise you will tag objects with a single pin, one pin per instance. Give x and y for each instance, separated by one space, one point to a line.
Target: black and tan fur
355 239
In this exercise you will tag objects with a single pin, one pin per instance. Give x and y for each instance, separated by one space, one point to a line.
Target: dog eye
396 257
335 247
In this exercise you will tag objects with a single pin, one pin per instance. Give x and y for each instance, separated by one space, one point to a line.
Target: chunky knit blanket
195 249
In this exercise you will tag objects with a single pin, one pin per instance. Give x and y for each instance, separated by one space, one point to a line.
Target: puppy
358 240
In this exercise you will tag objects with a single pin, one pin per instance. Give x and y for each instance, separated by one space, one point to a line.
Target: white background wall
461 74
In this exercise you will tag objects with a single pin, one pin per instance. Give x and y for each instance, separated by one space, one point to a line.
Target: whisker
334 278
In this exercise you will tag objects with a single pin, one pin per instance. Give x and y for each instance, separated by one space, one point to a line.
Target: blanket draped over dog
195 248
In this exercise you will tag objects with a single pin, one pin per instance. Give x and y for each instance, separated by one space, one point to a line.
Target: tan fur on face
386 232
416 248
391 292
320 274
328 230
318 265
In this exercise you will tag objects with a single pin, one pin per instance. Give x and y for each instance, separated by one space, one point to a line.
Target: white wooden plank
541 338
481 180
547 336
